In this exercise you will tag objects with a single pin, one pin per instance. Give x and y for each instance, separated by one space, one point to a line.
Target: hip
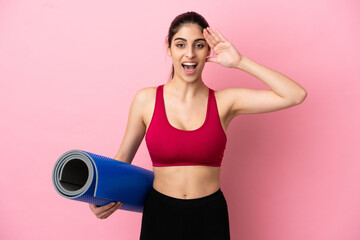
166 217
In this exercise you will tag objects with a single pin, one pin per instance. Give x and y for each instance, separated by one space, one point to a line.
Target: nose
190 52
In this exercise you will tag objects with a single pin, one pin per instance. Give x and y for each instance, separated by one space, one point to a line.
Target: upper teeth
189 63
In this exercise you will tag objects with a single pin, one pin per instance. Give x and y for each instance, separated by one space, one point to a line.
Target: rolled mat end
91 178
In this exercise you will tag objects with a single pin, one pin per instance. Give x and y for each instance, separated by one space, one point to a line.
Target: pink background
70 69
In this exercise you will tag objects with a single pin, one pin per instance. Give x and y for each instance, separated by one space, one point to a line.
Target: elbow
301 97
121 159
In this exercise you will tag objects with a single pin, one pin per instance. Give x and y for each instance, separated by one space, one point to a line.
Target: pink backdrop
69 71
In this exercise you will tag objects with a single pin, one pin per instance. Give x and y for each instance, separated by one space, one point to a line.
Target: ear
168 49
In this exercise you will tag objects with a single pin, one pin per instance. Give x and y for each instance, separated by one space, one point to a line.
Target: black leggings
166 217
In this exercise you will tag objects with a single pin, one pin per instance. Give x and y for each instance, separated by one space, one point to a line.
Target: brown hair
179 21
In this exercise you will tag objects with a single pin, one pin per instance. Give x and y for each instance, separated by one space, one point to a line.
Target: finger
115 207
210 39
206 35
106 213
98 210
211 36
220 35
106 207
110 211
214 35
92 206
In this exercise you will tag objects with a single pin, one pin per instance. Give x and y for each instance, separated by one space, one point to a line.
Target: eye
180 45
200 45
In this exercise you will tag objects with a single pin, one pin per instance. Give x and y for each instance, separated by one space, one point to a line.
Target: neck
187 90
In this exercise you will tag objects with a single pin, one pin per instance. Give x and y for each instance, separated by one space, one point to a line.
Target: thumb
211 59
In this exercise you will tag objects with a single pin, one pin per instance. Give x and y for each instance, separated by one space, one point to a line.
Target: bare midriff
186 182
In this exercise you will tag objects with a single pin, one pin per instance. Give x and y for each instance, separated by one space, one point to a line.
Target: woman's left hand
226 54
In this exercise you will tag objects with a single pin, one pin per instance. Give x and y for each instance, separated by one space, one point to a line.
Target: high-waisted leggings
166 217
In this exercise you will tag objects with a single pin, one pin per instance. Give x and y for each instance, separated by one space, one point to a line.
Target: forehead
189 32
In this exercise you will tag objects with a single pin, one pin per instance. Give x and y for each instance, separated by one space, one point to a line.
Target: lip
196 63
190 72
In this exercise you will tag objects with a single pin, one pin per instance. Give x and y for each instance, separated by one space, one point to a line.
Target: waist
178 202
186 182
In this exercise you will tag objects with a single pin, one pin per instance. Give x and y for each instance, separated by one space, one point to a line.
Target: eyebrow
199 39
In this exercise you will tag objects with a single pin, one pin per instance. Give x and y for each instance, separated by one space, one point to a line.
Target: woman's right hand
106 210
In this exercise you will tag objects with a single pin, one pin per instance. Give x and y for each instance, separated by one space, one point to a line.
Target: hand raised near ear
226 54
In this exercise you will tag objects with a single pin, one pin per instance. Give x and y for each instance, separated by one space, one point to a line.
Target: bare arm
284 91
135 131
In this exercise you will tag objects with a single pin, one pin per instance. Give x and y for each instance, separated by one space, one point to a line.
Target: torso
187 182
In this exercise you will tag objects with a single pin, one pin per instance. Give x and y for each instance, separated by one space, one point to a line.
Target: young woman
184 123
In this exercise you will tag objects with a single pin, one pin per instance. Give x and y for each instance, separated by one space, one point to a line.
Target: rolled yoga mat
91 178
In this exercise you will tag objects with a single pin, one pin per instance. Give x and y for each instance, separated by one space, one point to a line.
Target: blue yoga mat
91 178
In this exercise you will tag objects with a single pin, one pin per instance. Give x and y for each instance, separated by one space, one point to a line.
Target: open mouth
189 67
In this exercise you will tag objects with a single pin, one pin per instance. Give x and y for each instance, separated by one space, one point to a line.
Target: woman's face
189 46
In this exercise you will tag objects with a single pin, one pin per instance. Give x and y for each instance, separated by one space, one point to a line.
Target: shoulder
232 99
224 101
225 96
226 92
223 93
142 101
230 95
145 95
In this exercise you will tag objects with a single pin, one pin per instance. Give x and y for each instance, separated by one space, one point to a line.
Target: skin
185 99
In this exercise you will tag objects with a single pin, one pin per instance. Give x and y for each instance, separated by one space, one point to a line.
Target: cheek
203 54
176 57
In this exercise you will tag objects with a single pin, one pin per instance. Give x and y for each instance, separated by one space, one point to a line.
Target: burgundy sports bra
170 146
